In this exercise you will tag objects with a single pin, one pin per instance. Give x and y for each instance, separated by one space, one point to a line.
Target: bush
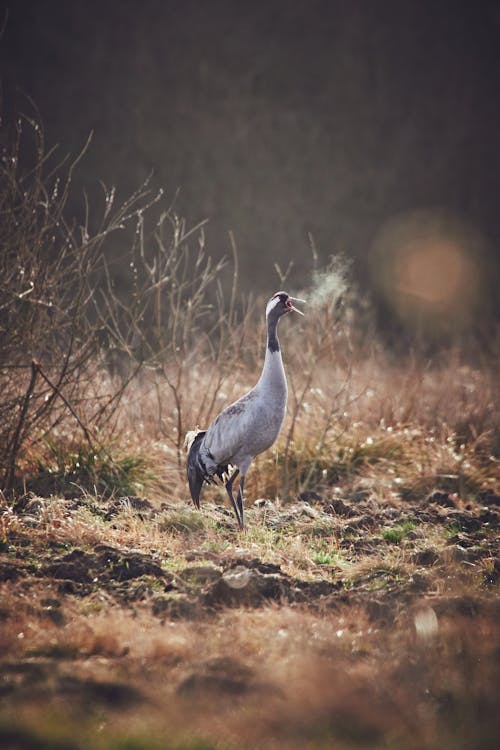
71 339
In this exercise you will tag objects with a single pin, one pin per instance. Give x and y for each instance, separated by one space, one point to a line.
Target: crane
246 427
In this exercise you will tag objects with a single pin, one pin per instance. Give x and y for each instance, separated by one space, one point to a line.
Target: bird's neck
273 345
273 373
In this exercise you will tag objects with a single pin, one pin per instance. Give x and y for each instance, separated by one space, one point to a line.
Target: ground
334 620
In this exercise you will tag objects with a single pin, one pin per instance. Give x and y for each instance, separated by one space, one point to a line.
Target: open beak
293 300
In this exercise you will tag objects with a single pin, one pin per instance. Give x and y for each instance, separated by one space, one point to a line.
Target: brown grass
410 420
381 492
402 656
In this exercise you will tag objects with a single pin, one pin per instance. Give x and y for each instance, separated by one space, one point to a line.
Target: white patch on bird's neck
271 305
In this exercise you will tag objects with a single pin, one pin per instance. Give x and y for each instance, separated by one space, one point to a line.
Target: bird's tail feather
195 472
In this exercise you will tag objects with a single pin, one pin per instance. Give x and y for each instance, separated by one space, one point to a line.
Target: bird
247 427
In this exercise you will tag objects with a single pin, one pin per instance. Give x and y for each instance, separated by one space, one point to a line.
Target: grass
307 671
396 534
184 521
325 557
69 468
366 614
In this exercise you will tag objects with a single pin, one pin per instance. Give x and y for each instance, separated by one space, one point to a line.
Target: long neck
273 345
273 373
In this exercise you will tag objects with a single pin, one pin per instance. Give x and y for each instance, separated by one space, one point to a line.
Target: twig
56 390
16 440
235 278
296 407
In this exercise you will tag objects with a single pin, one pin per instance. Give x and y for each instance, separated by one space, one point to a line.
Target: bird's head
281 303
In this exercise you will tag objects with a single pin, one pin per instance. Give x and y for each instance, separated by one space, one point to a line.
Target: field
360 606
360 610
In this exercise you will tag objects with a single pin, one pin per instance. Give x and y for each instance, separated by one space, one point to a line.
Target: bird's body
247 427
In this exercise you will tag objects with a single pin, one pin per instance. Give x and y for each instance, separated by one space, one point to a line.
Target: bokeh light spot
428 270
434 273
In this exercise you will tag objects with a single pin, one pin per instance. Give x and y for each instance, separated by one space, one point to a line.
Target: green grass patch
396 534
325 553
323 557
343 460
65 468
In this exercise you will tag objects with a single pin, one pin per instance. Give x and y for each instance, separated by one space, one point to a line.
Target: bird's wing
229 431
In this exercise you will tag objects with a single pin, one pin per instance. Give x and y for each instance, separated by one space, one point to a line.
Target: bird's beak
293 300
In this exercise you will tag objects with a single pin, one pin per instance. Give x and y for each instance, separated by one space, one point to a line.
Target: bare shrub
174 321
56 316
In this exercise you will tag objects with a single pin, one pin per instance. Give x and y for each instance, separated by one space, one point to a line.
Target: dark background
277 119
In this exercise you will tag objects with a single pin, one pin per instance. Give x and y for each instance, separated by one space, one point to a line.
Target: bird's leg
240 500
229 490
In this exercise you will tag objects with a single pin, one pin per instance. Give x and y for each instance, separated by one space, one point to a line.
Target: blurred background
364 129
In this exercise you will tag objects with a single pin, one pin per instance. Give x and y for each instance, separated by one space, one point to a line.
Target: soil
446 582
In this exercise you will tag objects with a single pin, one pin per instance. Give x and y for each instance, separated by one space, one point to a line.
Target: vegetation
358 609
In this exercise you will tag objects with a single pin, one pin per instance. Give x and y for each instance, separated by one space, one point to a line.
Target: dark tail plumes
195 472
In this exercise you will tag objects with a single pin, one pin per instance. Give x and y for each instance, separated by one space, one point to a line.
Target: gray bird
247 427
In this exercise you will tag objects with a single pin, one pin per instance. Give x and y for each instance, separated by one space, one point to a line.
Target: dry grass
413 423
401 650
363 607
